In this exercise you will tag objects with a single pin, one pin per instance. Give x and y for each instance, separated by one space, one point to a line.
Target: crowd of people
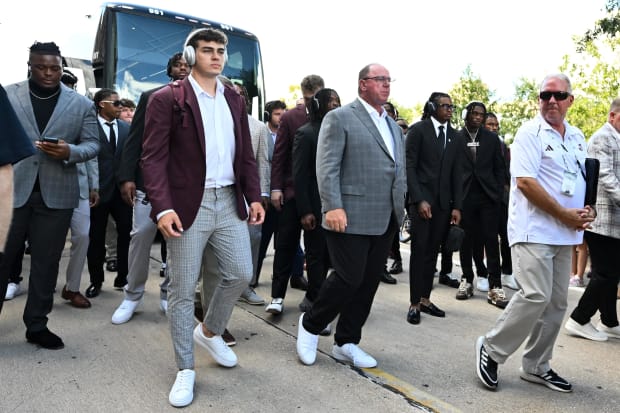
191 162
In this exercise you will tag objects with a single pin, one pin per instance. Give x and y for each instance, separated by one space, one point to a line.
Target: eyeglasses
447 106
380 79
116 103
546 95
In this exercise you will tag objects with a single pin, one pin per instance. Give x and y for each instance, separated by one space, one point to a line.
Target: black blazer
304 170
109 161
434 173
129 169
489 169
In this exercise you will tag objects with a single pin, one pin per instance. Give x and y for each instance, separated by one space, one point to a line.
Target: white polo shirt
538 151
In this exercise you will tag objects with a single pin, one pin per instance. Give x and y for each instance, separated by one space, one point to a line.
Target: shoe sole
347 360
123 321
245 300
273 311
535 379
495 304
465 296
478 371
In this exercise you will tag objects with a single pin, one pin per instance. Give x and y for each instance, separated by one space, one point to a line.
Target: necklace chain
472 137
49 97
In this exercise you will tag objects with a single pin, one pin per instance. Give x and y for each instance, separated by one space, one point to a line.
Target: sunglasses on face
116 103
557 95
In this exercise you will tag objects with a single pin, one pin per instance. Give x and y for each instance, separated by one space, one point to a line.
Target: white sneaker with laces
275 307
508 281
182 392
163 306
12 290
610 331
352 353
217 348
125 311
306 343
586 331
482 284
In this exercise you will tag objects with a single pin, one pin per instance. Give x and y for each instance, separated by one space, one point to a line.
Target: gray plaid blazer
356 172
605 146
73 121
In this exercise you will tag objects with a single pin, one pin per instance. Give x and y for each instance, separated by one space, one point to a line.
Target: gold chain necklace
49 97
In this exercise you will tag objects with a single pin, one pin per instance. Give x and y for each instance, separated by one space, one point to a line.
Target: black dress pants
286 245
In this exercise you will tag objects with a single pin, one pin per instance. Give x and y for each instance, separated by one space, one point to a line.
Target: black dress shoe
450 282
93 290
396 268
299 283
387 278
432 309
120 282
111 265
413 316
45 339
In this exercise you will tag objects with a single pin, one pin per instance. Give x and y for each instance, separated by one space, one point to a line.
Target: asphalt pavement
428 367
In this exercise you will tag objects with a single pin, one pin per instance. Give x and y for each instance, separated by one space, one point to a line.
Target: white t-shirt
538 151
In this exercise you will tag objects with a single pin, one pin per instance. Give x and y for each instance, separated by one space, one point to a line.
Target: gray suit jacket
356 172
74 122
260 136
88 177
604 145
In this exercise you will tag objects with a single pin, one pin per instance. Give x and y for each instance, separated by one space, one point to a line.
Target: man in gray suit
62 125
360 167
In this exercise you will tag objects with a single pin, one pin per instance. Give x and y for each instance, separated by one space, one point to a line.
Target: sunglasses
116 103
557 95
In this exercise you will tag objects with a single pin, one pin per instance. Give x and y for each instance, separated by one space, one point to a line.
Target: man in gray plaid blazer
603 238
62 125
360 165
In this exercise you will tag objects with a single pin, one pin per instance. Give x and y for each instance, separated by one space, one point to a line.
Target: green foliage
523 107
609 26
469 88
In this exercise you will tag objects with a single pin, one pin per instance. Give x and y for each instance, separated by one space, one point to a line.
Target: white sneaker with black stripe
549 379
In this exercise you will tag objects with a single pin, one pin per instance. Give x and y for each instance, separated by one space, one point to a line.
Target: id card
473 144
569 182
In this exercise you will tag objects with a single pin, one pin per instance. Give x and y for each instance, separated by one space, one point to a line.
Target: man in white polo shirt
546 218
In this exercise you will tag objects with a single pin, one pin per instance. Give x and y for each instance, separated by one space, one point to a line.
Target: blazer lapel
368 123
59 110
23 96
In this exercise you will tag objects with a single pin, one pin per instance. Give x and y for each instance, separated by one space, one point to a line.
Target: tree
523 107
609 26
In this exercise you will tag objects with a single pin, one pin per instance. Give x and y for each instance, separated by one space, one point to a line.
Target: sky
426 45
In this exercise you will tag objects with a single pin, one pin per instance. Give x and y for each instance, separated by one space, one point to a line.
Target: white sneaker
610 331
249 296
306 343
182 392
586 331
508 281
163 306
217 348
125 311
352 353
482 284
275 307
12 290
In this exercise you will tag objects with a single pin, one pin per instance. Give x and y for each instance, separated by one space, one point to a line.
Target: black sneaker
549 379
486 367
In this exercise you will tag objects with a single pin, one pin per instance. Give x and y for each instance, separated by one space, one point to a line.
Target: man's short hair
172 61
208 35
311 83
49 48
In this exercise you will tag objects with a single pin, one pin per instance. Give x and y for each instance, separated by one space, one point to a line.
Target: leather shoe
413 316
432 309
299 283
93 290
120 282
45 339
387 278
396 268
111 265
450 282
75 297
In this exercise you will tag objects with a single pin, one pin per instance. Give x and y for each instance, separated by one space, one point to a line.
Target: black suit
433 175
110 202
308 201
483 189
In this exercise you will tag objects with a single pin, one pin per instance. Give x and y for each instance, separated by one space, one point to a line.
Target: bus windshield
133 46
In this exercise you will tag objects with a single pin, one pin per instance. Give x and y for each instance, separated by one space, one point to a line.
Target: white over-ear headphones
189 53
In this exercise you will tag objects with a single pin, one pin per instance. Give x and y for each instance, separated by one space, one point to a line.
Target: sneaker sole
464 297
478 371
574 332
346 360
245 300
535 379
273 311
495 304
215 356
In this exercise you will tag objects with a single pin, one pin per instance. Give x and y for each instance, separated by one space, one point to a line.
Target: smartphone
50 140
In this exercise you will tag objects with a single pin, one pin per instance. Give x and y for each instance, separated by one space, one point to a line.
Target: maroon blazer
173 154
282 161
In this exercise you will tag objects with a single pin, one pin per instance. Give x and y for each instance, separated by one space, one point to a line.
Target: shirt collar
198 90
372 110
